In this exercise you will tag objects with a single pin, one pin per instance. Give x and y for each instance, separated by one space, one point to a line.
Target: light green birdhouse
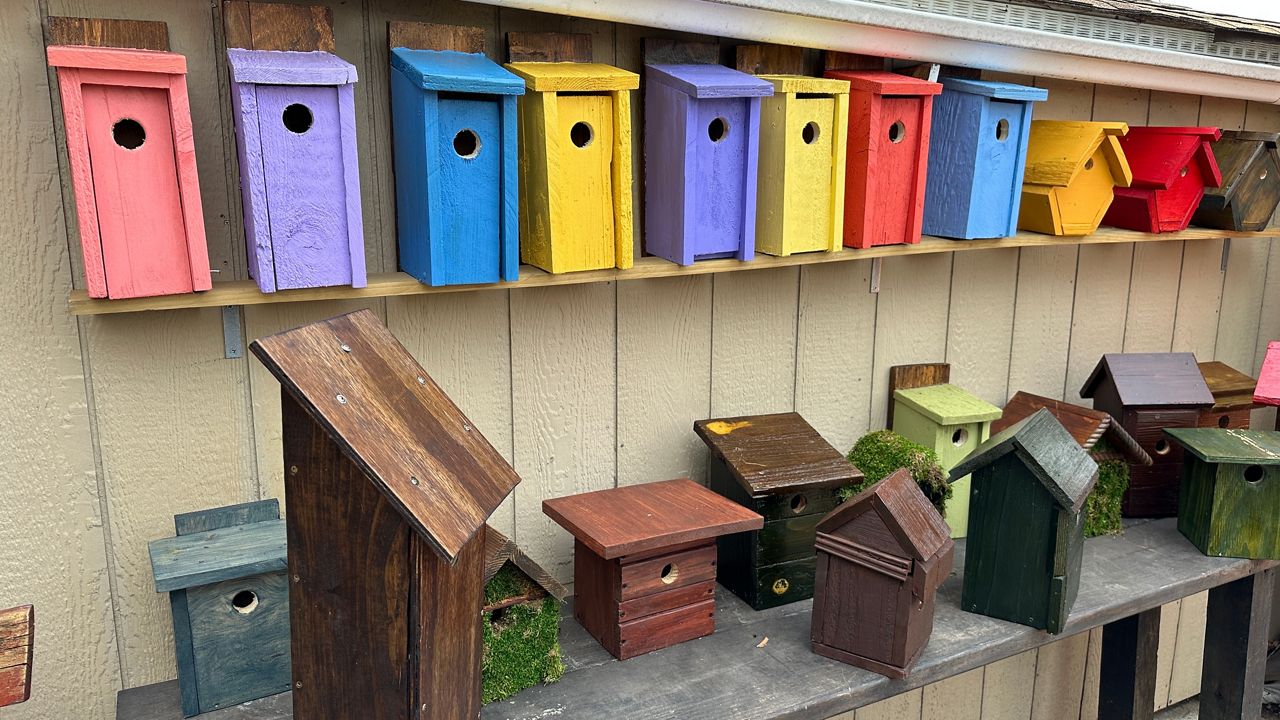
951 421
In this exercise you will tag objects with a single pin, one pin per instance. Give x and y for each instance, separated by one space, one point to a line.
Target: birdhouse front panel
888 156
1230 493
1250 191
295 138
1232 397
1171 167
133 171
1071 173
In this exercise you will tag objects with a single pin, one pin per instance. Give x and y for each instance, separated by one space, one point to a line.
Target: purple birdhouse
296 141
702 138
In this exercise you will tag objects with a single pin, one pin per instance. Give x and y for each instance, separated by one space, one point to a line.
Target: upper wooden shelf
245 292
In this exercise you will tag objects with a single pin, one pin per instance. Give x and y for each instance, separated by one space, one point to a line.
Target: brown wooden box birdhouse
1250 191
1148 392
1232 396
644 561
881 557
780 467
1088 427
387 486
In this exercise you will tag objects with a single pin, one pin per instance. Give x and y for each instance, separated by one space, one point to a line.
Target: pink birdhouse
133 170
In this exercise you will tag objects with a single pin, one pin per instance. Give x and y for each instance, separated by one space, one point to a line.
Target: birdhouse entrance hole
1162 447
1088 164
717 129
798 503
1253 474
467 144
581 134
959 437
810 133
669 573
1224 421
245 602
1002 130
897 132
128 134
297 118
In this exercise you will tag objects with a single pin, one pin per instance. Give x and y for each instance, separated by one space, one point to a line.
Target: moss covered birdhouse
881 452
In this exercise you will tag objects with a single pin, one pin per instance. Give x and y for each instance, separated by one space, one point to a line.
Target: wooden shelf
245 292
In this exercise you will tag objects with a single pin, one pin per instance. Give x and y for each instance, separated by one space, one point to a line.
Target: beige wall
113 424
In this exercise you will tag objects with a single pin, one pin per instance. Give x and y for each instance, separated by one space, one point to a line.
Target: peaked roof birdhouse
1089 427
1026 523
1072 171
387 487
1250 190
455 124
1171 167
1230 494
881 557
978 149
1232 396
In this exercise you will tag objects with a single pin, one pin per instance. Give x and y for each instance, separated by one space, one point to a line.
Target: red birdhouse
1171 168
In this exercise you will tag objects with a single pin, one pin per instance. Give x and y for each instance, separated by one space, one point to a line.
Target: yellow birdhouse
1072 171
575 165
804 130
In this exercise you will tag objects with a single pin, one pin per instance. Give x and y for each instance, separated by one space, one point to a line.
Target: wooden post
1235 648
1128 673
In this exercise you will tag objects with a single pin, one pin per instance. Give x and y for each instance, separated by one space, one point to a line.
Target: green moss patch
881 452
521 642
1102 508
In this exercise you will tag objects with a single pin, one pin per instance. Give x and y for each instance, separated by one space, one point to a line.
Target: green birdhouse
1230 493
953 423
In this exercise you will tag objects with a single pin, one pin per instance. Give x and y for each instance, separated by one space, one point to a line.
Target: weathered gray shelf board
245 292
730 676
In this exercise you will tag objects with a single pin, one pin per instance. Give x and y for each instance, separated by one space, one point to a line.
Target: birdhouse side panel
1246 503
470 151
898 157
1134 209
1255 201
952 164
1195 502
240 639
410 111
1068 555
1002 146
774 183
860 611
536 148
1175 206
582 218
1038 210
721 139
253 190
665 180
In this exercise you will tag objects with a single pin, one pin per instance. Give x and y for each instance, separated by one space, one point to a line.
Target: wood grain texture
17 643
1059 678
1008 686
548 47
1234 638
100 32
956 698
1128 673
278 26
1188 649
775 453
432 36
770 59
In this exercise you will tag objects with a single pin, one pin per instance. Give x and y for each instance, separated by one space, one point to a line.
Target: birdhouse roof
226 553
1158 155
574 77
1267 390
794 84
995 90
1230 387
1086 425
1057 151
884 83
947 404
286 67
1235 154
908 514
775 453
1236 447
392 420
1048 452
119 59
500 550
709 81
450 71
1147 379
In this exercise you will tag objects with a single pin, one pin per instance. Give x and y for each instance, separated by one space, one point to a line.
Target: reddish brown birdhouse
1232 396
881 557
1171 167
387 487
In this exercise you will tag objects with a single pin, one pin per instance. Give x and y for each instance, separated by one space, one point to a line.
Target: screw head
414 479
344 348
342 399
298 684
293 469
466 428
422 380
296 578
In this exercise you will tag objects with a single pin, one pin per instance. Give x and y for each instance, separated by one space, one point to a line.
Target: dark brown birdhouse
1089 427
1232 396
881 557
387 487
1148 392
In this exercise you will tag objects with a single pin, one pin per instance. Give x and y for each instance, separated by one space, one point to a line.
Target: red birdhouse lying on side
1171 168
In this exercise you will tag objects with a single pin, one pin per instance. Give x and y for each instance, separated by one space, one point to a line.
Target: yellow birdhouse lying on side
1072 171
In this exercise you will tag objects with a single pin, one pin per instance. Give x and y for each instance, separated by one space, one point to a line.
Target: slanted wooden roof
1086 425
708 81
1057 151
447 70
995 90
806 84
500 550
1236 154
392 420
776 453
17 638
283 67
947 404
574 77
1151 379
226 553
1231 388
1157 155
1048 452
908 514
881 82
1267 390
1236 447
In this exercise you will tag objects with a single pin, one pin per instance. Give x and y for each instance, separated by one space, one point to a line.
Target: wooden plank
1092 681
1059 684
899 707
956 698
100 32
1235 647
661 50
1042 320
1128 675
915 375
548 47
911 321
278 26
980 322
1098 313
432 36
204 558
1153 297
446 633
1188 653
753 343
1008 686
770 59
1195 327
1170 621
17 640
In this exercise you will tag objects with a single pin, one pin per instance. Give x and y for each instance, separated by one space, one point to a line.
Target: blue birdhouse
978 149
454 123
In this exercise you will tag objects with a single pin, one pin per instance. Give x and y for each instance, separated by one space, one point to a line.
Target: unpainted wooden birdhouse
977 152
888 133
1230 496
644 561
455 125
952 422
1072 171
701 152
299 180
575 160
133 170
226 574
1232 396
388 486
1148 392
1171 167
780 467
1250 190
800 206
1026 523
881 557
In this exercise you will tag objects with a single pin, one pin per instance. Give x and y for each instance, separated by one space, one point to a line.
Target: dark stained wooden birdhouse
1230 496
1096 431
387 488
1232 396
644 561
881 557
1171 168
1026 523
1148 392
780 467
1250 190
